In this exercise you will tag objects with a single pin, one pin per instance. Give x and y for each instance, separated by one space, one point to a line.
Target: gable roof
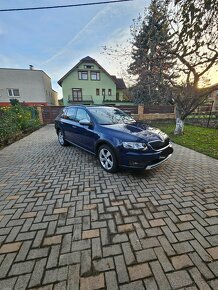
119 82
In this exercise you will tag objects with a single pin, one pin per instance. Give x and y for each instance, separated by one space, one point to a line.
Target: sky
54 40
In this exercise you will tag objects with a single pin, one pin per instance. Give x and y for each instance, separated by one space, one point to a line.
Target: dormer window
83 75
88 66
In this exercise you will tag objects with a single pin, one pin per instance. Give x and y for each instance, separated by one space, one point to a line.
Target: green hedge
15 121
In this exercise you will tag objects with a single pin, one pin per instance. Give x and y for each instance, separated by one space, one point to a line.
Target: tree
196 16
195 48
151 61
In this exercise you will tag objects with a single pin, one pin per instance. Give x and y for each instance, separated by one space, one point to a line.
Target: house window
103 92
97 92
88 66
109 92
77 94
117 96
95 76
83 75
13 93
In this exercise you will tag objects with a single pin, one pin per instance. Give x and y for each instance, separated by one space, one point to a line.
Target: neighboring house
26 85
89 83
214 98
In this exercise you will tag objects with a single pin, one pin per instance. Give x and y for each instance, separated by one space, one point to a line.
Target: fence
49 113
158 109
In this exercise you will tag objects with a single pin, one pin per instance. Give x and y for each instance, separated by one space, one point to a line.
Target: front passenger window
81 115
71 112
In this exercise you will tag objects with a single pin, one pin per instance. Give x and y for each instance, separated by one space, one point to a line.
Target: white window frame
81 75
12 93
96 75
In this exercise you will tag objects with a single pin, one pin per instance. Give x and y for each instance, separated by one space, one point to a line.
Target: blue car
113 136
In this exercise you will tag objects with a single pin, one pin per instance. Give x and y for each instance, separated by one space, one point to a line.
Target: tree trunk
179 122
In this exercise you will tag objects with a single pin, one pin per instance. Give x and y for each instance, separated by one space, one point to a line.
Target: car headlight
135 145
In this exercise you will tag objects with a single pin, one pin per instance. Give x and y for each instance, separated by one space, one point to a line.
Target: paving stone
199 280
214 284
95 282
111 250
213 252
150 284
64 221
11 247
111 280
182 261
69 259
55 275
8 284
133 285
37 273
202 267
121 269
214 267
128 253
6 264
139 271
21 268
38 253
60 285
86 263
73 277
104 264
90 234
22 282
179 279
145 255
52 240
159 276
53 257
163 259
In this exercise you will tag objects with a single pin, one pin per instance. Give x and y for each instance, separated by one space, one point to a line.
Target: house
26 85
89 83
214 98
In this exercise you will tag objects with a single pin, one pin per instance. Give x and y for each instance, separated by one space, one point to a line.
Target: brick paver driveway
67 224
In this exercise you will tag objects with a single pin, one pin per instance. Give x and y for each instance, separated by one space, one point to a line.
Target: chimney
31 67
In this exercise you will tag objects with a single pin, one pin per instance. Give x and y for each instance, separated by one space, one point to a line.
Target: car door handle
73 126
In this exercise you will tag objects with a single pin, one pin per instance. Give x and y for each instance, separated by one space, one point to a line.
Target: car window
62 114
71 112
109 116
81 115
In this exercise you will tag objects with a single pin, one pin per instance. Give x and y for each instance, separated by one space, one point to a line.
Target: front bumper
145 160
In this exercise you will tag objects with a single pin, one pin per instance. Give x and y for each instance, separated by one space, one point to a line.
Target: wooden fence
49 113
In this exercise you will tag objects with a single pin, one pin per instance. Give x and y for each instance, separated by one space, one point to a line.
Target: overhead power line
62 6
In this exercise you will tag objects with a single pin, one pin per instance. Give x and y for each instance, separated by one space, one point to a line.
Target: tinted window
81 115
109 116
71 112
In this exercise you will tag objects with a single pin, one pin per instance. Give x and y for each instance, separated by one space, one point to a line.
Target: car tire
107 159
61 139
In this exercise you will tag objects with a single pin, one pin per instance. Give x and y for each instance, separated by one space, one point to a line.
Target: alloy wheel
106 158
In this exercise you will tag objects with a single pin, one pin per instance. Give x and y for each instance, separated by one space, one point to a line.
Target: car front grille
157 145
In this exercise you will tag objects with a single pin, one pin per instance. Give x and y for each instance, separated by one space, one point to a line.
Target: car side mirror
85 122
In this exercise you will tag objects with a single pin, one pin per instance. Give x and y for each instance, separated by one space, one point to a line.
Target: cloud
80 34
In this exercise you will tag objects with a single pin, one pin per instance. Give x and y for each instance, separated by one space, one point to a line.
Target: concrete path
67 224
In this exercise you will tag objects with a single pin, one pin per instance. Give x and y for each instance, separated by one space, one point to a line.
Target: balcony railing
86 99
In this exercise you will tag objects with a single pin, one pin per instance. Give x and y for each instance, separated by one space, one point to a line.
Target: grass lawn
200 139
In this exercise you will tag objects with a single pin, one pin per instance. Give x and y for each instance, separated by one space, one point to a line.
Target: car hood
139 130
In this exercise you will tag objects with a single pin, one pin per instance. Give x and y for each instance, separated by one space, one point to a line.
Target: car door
85 134
69 124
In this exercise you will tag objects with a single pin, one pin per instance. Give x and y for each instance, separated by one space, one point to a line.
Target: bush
16 120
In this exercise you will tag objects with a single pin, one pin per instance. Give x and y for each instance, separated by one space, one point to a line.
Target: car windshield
110 116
